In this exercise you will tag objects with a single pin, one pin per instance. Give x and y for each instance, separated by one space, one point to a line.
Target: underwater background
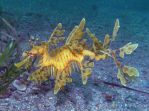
39 18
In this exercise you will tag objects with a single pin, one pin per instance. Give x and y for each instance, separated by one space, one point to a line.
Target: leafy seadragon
62 61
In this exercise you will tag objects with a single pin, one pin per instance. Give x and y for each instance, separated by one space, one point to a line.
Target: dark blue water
100 14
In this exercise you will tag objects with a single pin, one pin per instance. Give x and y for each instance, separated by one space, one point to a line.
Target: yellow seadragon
62 61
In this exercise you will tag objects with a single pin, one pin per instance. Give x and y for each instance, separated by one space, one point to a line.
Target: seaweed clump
60 62
9 51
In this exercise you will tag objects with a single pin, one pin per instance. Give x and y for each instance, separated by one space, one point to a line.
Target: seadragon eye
30 54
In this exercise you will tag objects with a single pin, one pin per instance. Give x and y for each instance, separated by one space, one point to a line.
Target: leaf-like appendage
97 44
121 78
121 54
115 30
86 72
130 71
127 49
39 75
126 72
106 41
76 33
57 35
57 87
24 62
88 64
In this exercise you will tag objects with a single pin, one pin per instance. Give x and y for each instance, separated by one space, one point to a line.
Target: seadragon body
62 61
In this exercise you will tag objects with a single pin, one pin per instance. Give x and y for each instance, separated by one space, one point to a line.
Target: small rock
108 97
19 85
